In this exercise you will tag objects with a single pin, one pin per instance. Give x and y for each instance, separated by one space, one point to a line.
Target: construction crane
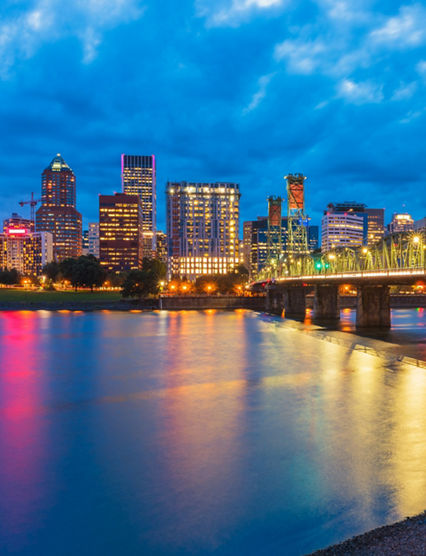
32 202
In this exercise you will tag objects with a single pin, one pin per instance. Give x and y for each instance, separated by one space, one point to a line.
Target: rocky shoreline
404 538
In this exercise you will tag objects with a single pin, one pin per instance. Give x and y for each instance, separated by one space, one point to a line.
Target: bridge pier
326 303
295 302
373 307
274 300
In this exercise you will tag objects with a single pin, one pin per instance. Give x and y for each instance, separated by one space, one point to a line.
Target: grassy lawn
35 296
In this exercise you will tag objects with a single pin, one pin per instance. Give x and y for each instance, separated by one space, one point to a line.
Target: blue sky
238 90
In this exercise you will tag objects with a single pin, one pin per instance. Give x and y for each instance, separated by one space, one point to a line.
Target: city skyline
335 92
389 212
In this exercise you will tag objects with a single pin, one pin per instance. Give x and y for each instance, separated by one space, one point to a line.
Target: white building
341 229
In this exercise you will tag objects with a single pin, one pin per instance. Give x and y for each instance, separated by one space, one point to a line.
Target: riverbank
407 537
34 300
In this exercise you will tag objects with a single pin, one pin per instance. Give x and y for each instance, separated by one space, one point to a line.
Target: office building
57 213
420 225
120 232
22 248
138 175
162 246
401 222
344 225
202 228
93 239
85 243
375 225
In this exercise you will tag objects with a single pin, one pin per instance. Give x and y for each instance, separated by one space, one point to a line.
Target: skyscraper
376 225
138 175
57 213
120 232
202 228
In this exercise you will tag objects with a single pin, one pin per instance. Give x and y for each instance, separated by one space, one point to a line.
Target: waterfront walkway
405 538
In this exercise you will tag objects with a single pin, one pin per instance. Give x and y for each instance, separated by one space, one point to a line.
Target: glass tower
138 176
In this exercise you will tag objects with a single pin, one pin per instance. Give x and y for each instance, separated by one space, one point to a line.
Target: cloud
360 93
233 12
407 29
404 91
51 20
260 94
302 56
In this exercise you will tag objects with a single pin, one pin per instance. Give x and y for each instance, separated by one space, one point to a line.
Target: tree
51 270
9 277
140 283
155 265
85 271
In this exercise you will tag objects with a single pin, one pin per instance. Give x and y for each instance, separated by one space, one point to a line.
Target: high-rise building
57 213
202 228
162 246
120 232
138 175
420 225
344 225
401 222
85 243
93 239
375 224
22 248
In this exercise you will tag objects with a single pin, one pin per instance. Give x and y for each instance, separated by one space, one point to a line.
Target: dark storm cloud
242 90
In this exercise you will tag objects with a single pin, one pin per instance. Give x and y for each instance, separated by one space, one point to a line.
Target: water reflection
202 432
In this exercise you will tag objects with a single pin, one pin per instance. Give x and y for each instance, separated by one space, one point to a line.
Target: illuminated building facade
344 225
202 228
401 222
376 225
93 239
57 213
85 243
22 248
162 246
139 177
120 232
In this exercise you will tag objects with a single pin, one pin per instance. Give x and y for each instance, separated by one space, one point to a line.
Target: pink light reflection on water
22 434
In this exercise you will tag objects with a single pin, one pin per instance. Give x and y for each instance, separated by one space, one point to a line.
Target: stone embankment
186 302
405 538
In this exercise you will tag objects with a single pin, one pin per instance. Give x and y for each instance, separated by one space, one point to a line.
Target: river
207 432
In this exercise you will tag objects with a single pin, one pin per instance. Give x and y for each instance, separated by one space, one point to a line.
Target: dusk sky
218 90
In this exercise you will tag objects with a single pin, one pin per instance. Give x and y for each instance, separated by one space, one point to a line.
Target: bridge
398 259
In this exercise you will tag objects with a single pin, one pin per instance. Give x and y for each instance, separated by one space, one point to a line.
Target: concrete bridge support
326 303
295 302
274 300
373 307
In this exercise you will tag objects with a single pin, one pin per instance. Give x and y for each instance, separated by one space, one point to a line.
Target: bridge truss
402 251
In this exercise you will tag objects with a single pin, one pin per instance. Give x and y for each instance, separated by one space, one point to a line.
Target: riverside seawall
175 303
